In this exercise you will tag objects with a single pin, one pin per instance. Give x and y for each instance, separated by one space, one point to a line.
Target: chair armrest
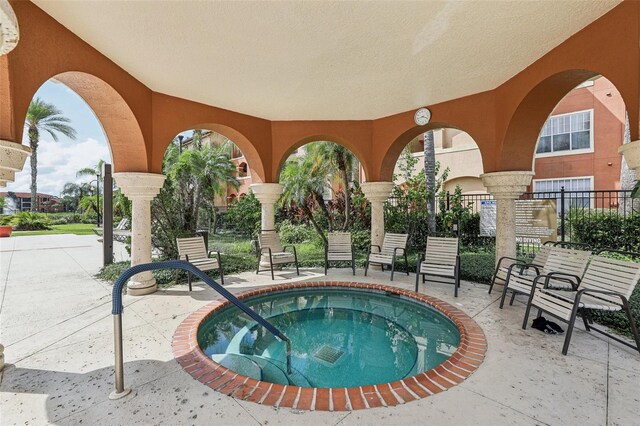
399 248
523 266
509 258
265 248
213 251
290 246
574 280
606 292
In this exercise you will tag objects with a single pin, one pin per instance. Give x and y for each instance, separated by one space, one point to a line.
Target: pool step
240 364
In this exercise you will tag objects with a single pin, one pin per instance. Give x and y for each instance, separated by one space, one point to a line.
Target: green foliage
605 229
28 221
295 234
243 215
1 203
477 267
194 178
618 320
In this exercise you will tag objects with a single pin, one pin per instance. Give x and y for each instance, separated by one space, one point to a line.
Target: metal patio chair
568 262
339 248
500 274
440 260
193 250
607 285
272 252
393 245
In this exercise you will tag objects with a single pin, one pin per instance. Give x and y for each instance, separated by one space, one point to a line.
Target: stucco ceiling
324 60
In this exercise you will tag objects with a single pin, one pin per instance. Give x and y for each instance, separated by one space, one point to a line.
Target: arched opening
321 188
70 144
206 172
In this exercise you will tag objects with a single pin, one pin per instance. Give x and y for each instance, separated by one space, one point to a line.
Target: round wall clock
422 116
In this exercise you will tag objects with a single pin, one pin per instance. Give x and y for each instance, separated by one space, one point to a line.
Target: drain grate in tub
328 354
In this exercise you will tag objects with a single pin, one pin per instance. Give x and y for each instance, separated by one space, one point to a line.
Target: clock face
422 116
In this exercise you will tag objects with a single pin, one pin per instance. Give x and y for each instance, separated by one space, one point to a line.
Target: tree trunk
320 200
307 211
430 180
342 165
33 142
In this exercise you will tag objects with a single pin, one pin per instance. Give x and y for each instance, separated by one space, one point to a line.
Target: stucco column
140 188
506 187
631 154
12 158
267 194
377 193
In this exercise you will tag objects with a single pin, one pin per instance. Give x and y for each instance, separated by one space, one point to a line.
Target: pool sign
536 220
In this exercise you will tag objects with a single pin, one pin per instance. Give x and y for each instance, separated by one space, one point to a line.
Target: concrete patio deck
57 330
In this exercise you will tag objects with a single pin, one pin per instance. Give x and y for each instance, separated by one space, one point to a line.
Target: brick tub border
466 359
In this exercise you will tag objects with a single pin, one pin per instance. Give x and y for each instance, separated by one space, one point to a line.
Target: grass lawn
71 228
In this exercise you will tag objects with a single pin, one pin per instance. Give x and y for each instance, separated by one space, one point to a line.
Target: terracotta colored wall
608 131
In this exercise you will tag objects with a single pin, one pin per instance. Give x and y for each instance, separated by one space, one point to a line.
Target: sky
59 161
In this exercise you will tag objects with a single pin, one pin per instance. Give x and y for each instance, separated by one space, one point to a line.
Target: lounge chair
193 250
393 245
571 263
339 248
500 274
441 260
120 233
606 285
272 252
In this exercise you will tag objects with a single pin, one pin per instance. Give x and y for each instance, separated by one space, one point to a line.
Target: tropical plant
244 214
43 117
304 182
194 178
28 221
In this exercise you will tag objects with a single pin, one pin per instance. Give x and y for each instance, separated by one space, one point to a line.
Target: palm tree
341 159
430 180
89 171
43 117
302 186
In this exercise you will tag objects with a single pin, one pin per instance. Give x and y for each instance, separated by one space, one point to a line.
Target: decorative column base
140 188
12 158
377 193
506 187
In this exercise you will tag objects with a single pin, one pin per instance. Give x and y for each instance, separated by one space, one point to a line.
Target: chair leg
632 324
406 264
189 280
417 280
297 269
353 266
271 265
393 266
325 266
366 267
585 316
456 284
221 276
504 296
513 297
572 322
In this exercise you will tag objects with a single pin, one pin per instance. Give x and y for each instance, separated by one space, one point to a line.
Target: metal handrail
117 308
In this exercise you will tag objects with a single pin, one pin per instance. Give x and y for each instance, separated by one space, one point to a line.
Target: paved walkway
56 325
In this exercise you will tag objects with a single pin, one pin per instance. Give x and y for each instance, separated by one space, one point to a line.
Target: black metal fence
597 218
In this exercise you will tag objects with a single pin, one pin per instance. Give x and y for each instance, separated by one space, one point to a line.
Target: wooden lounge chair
569 262
606 285
193 250
271 252
500 274
440 260
393 245
339 248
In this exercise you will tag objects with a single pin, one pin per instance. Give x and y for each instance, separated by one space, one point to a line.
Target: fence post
562 213
448 200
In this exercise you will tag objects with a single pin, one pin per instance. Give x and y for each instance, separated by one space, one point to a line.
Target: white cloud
58 163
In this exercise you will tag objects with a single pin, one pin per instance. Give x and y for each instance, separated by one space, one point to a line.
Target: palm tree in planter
43 117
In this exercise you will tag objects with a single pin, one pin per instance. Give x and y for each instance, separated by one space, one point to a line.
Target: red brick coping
453 371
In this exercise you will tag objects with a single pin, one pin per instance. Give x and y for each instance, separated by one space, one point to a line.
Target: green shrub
28 221
295 234
477 267
602 229
243 215
618 320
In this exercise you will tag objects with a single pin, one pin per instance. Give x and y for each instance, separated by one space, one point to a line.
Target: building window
243 170
566 132
577 191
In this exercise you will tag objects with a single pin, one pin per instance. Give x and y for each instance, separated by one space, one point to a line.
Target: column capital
136 185
377 191
267 193
507 185
631 154
9 31
12 158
